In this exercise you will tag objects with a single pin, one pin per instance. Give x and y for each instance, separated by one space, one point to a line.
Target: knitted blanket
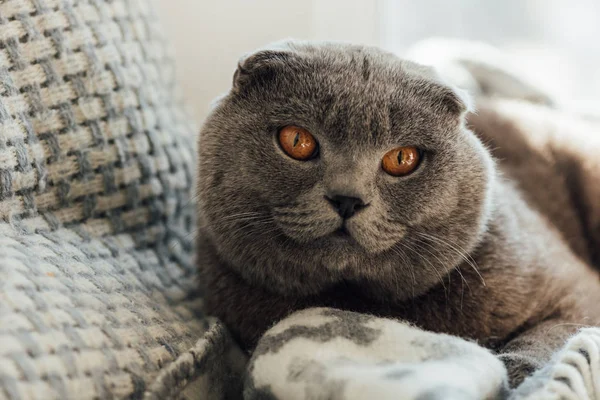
98 294
325 353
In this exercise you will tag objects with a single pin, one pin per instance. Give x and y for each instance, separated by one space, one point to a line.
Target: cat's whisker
294 222
192 199
248 224
405 259
243 218
291 212
193 232
463 254
244 225
442 265
266 244
462 286
242 214
463 279
455 247
249 218
430 264
568 324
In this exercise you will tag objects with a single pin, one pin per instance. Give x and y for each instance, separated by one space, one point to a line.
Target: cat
343 176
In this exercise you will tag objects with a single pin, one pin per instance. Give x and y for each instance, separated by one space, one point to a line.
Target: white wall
209 36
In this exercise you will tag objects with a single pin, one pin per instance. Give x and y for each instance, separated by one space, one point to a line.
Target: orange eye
298 143
401 161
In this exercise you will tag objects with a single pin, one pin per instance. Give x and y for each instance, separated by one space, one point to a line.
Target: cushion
98 289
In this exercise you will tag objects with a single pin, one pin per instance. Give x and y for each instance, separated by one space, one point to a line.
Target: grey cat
342 176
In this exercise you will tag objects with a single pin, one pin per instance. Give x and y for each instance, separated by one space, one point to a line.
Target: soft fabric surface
324 353
98 296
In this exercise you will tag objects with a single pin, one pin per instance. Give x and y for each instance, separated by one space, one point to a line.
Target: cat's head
330 162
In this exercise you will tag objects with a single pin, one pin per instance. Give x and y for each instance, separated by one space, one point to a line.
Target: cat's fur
491 241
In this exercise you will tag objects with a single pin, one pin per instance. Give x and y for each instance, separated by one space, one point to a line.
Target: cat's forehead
357 99
354 66
345 92
342 70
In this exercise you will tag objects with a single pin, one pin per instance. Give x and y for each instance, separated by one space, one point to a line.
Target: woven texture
98 294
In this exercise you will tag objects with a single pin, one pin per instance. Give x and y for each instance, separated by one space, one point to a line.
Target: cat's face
298 181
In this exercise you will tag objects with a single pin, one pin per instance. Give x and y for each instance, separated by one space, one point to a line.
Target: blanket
324 353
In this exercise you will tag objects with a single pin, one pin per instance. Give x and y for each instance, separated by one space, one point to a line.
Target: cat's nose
346 206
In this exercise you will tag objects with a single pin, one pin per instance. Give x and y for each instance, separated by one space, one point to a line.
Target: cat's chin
342 233
374 241
340 239
352 240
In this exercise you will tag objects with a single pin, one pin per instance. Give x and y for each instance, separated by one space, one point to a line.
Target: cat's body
501 252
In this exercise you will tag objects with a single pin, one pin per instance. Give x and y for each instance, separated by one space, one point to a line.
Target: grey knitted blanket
98 296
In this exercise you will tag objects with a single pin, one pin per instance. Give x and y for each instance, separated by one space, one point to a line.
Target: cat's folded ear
445 95
261 66
457 101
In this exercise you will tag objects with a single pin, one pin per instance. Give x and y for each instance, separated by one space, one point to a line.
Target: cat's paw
331 354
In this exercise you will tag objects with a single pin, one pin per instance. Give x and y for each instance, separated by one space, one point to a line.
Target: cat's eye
401 161
298 143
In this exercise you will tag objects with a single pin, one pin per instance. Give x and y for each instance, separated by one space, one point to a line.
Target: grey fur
359 103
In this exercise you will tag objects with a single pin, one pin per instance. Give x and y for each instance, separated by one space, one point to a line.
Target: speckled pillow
98 295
